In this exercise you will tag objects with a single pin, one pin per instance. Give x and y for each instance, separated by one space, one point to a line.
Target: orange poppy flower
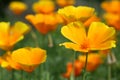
77 69
44 23
11 35
80 13
113 20
29 58
63 3
94 60
44 6
17 7
92 39
8 63
112 6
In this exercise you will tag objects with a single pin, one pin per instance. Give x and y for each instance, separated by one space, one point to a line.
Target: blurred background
57 56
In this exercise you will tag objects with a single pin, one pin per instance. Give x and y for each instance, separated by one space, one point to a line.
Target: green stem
109 72
115 70
34 38
50 41
84 74
43 44
1 74
48 76
22 77
29 76
12 75
41 71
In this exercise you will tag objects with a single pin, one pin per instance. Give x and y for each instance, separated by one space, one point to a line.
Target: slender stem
41 67
48 76
1 74
50 44
22 77
34 38
12 75
72 77
84 75
110 62
109 72
29 76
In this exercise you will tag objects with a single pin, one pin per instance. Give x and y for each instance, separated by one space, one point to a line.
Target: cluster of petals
10 35
88 40
44 23
81 13
8 63
26 59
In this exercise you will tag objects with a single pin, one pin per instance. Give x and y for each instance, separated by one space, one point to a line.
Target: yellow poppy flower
80 13
98 37
112 6
44 6
94 60
63 3
11 35
29 58
8 63
44 23
112 20
17 7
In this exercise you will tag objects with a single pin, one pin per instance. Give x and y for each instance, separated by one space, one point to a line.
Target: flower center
85 45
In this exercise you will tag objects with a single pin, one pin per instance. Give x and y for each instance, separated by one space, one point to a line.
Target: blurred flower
44 22
112 6
94 60
29 58
7 62
44 6
112 15
80 13
91 40
17 7
11 35
113 20
77 69
63 3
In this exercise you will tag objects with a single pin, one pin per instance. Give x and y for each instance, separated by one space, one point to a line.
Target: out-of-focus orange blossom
112 15
63 3
44 6
112 6
44 23
77 69
29 58
9 36
112 20
17 7
86 41
94 60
